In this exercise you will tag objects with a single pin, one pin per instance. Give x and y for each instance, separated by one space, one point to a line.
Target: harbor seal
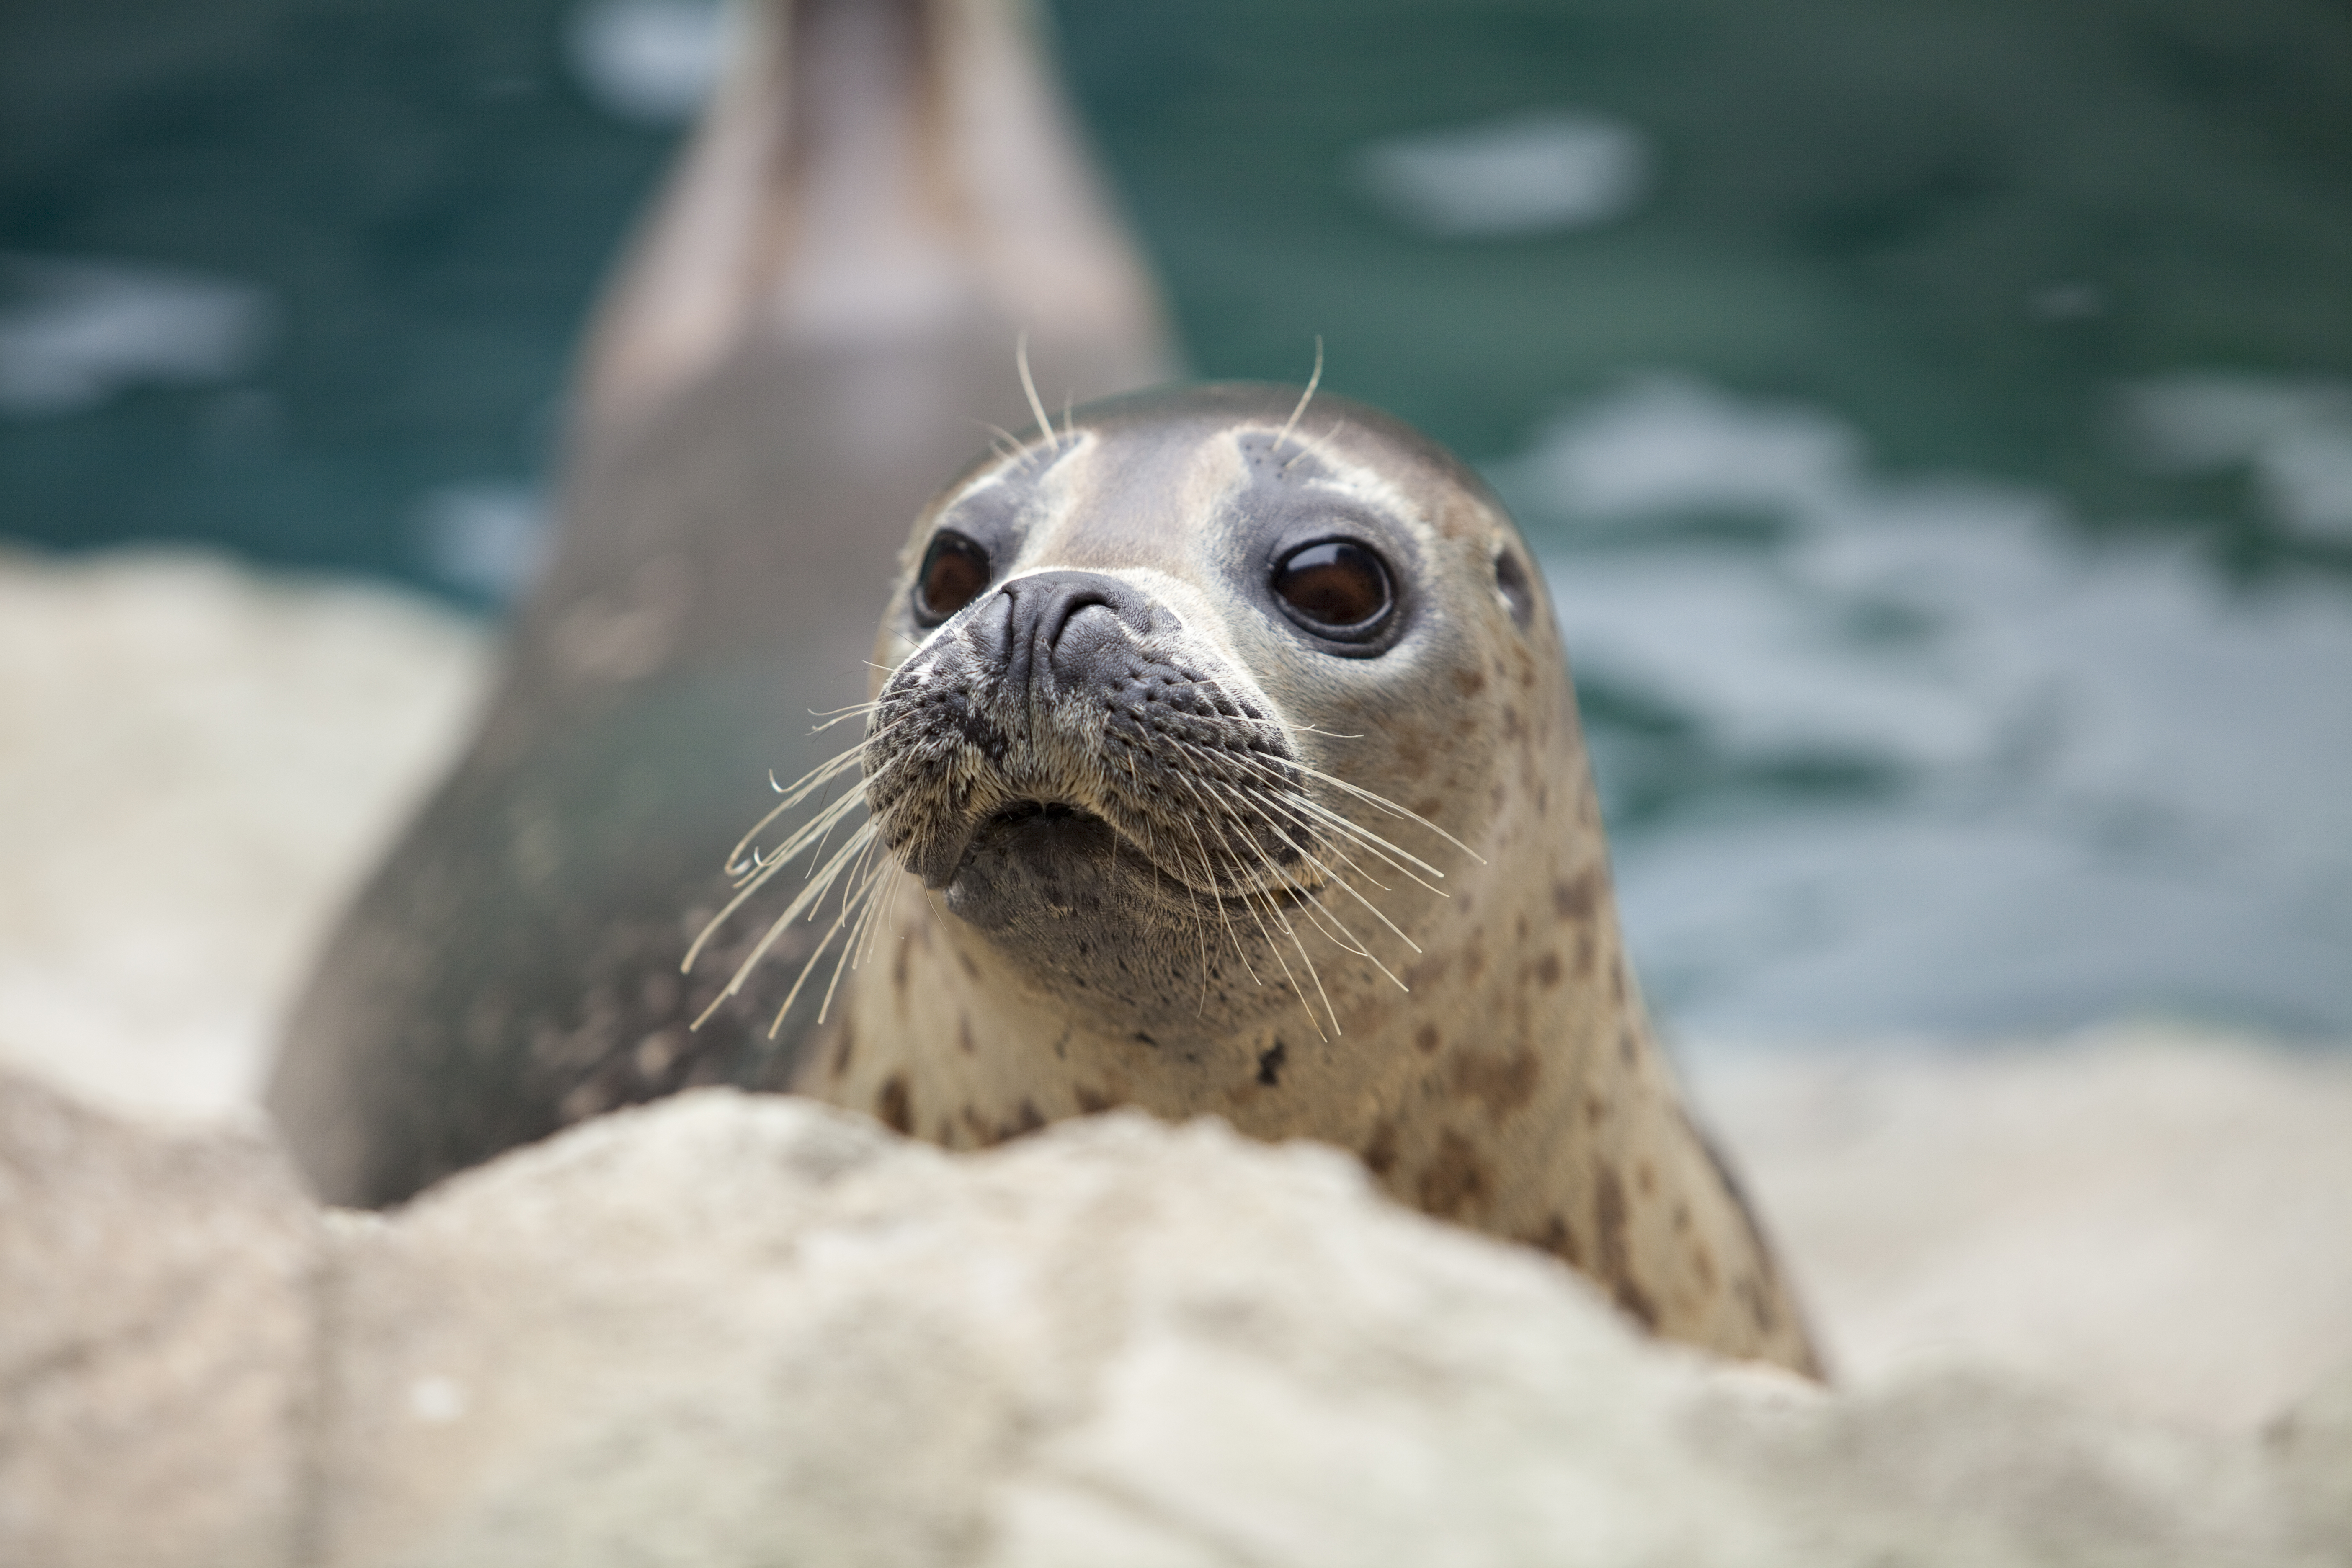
1215 768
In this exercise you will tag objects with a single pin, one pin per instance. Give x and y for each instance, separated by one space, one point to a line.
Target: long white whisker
1384 804
855 902
841 716
1335 879
1403 860
1226 915
865 902
1307 446
1225 829
1304 398
1297 989
1029 385
818 885
1338 932
1291 930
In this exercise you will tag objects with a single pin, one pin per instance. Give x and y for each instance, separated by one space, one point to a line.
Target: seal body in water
1223 762
814 327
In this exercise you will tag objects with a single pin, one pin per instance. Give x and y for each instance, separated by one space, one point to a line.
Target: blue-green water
1936 417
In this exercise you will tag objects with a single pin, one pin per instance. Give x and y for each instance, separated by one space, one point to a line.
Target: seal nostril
1067 611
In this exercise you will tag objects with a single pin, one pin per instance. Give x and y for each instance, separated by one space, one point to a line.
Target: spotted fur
1227 948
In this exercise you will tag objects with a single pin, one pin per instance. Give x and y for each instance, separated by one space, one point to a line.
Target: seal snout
1071 714
1065 630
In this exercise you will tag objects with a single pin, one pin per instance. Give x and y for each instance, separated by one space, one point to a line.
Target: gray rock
155 1342
726 1330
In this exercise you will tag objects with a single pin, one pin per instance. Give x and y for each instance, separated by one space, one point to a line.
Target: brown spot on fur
1026 1121
1758 1298
899 971
1522 928
1645 1178
1595 1108
1456 1180
1381 1153
1429 809
844 1051
1469 682
1625 1048
1514 727
1424 1039
1547 971
1501 1083
1093 1101
1608 1215
1269 1065
1428 972
1616 1261
1555 1238
1703 1265
1578 898
963 1035
894 1105
969 966
1682 1216
1474 956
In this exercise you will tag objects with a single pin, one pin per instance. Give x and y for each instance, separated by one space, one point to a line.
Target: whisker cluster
1252 849
851 866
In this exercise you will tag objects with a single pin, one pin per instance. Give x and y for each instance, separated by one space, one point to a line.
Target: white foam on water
1548 171
76 330
2123 783
651 62
2294 432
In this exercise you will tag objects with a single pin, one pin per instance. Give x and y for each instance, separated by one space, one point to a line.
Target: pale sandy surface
196 764
2158 1218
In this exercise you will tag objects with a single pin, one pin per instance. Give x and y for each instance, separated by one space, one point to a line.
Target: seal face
1216 768
1067 748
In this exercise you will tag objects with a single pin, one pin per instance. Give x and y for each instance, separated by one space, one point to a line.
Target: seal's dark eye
1336 588
954 572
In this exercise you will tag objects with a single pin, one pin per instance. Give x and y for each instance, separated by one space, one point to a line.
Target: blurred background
1935 417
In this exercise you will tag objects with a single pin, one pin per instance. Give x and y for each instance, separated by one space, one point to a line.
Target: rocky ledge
729 1330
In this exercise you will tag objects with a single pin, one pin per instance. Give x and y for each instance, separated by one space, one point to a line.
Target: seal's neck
1516 1088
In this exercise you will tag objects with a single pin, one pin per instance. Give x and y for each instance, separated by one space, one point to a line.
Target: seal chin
1037 859
1073 904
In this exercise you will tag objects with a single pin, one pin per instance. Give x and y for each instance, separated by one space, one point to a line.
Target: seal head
1225 762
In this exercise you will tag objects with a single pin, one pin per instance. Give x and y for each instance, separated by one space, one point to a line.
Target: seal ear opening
1511 582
